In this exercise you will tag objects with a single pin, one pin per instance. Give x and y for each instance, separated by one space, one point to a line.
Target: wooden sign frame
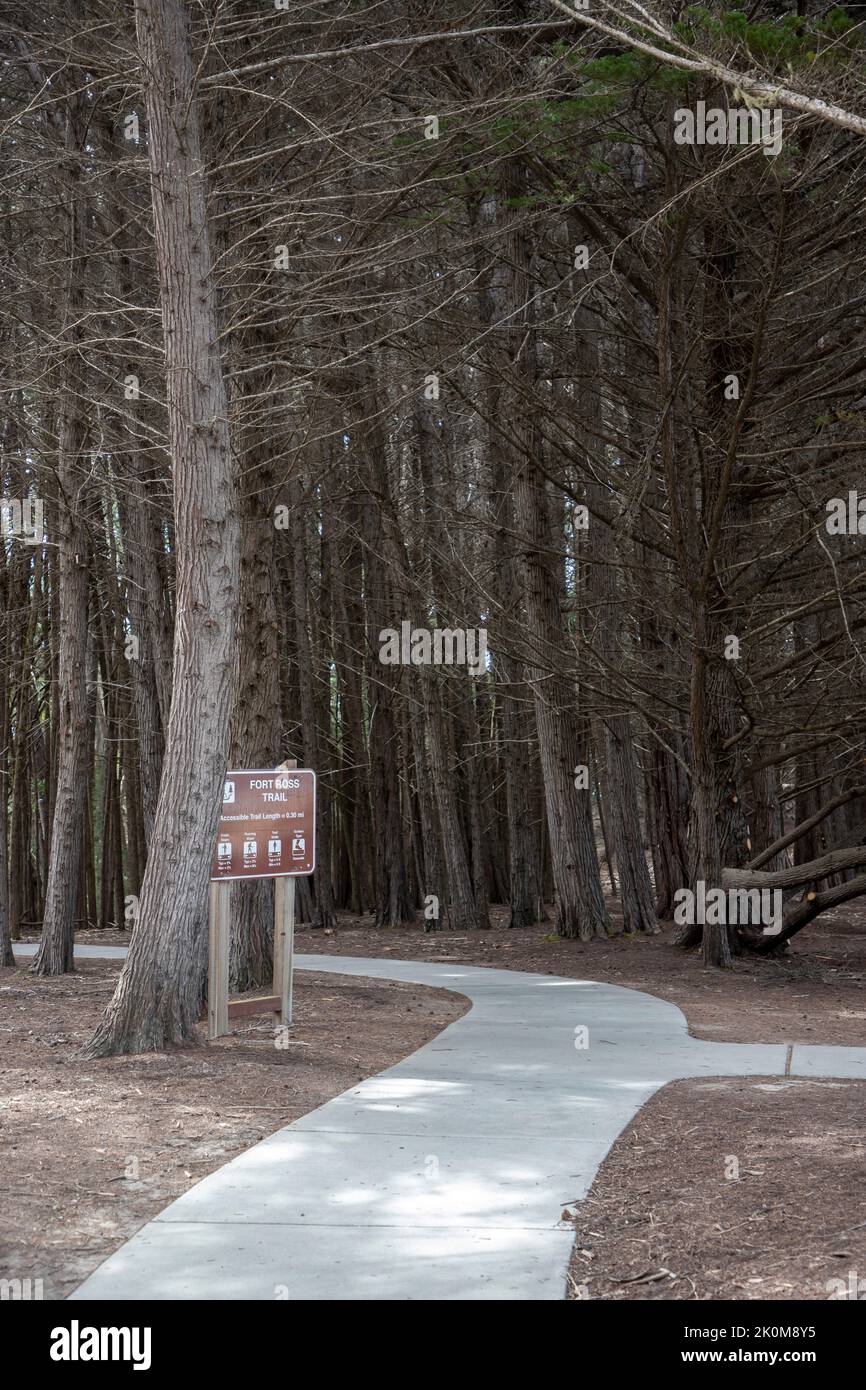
220 1009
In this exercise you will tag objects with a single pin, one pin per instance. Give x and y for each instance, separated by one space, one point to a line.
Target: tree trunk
310 718
55 954
256 721
160 990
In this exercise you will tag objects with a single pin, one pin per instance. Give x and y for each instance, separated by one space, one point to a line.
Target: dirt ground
730 1189
662 1219
89 1151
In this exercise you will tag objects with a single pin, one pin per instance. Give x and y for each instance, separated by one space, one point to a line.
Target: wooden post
279 942
218 961
284 945
284 933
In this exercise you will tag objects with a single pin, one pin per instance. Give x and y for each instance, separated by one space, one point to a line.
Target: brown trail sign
267 830
268 825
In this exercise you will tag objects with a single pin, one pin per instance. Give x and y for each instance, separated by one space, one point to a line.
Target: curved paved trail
443 1177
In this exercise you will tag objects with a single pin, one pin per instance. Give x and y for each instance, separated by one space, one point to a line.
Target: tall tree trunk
349 643
6 955
620 754
159 994
310 715
256 720
562 735
382 609
516 705
55 954
148 635
580 909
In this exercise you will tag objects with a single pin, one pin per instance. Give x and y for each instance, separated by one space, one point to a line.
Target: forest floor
664 1218
92 1150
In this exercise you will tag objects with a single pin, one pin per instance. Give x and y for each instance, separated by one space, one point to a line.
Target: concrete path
443 1177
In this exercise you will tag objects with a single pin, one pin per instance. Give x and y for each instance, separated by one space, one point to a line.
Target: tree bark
55 954
160 989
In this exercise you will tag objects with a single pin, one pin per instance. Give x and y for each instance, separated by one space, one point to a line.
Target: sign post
267 830
218 961
284 944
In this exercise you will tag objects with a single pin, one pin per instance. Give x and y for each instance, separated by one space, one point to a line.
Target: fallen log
812 907
816 869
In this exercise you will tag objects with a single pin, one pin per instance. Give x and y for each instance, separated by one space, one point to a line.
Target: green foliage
604 80
838 21
788 38
602 87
